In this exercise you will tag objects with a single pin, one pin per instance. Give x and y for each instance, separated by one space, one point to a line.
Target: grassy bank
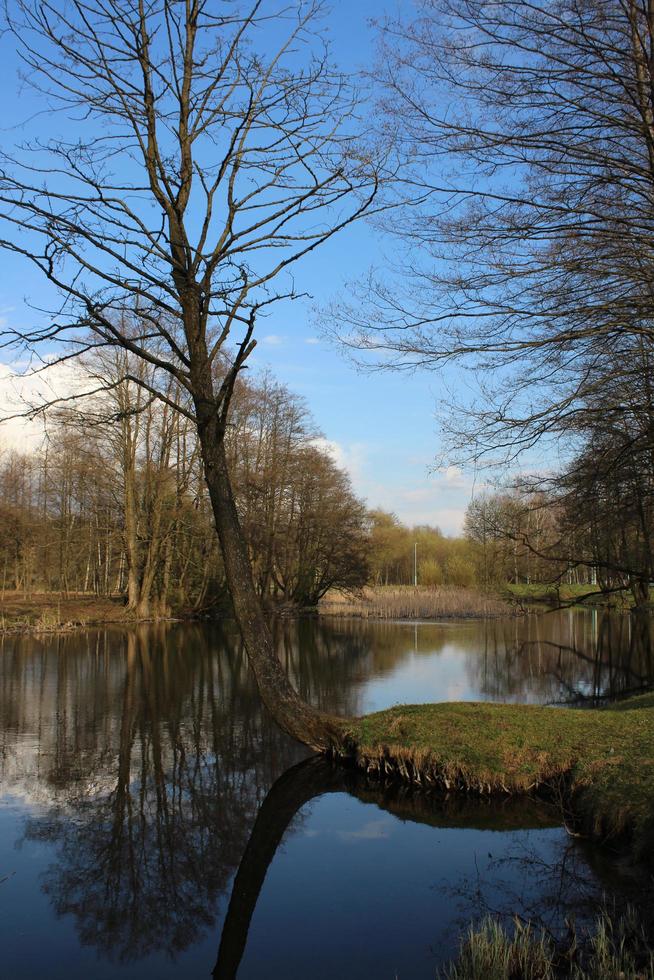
48 612
414 602
559 594
600 763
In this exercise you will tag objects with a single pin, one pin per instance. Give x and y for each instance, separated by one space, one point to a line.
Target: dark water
139 775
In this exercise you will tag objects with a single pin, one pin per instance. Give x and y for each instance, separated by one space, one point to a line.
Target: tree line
115 503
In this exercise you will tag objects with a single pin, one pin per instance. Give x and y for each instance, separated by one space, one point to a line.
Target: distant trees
305 528
515 536
398 551
489 522
326 541
116 503
592 526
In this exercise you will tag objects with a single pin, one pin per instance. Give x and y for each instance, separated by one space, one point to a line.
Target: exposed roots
418 768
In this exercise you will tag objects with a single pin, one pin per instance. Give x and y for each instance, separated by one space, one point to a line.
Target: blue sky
382 425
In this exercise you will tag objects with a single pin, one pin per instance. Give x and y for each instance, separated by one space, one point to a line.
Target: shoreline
51 612
597 765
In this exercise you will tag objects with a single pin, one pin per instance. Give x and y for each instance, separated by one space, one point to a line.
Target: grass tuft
616 950
490 953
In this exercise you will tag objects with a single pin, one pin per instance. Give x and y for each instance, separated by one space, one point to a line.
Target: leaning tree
193 155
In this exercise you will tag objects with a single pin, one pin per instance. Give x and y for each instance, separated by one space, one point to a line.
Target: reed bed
414 602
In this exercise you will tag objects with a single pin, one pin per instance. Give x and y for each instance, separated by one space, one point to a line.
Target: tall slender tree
209 149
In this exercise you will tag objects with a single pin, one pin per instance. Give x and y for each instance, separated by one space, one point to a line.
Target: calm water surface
143 788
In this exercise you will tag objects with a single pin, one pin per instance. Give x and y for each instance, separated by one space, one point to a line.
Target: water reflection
552 657
315 777
523 865
142 768
155 754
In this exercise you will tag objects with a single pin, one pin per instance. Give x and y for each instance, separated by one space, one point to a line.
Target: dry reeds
414 602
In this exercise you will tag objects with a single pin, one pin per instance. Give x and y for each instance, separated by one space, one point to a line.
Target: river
133 764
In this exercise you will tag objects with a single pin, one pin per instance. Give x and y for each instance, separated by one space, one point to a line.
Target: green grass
558 592
601 762
489 952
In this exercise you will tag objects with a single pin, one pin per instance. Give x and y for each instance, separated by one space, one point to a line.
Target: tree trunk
305 723
640 592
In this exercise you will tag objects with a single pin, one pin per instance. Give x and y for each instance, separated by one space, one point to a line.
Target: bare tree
211 150
527 239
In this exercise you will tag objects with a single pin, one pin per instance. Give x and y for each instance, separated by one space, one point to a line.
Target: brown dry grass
414 602
48 612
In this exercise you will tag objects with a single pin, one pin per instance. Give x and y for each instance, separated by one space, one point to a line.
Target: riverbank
599 764
558 594
51 612
414 602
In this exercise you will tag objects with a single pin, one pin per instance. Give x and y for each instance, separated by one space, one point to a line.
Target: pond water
143 788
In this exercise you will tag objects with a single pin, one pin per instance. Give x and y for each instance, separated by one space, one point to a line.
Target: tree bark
314 728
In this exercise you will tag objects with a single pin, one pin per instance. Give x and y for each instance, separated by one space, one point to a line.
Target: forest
114 503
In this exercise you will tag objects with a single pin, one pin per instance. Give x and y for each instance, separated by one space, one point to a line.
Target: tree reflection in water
546 657
152 819
156 766
555 892
565 656
574 884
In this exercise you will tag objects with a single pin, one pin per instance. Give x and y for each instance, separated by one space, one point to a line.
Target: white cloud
23 389
351 457
312 340
419 496
454 476
273 340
